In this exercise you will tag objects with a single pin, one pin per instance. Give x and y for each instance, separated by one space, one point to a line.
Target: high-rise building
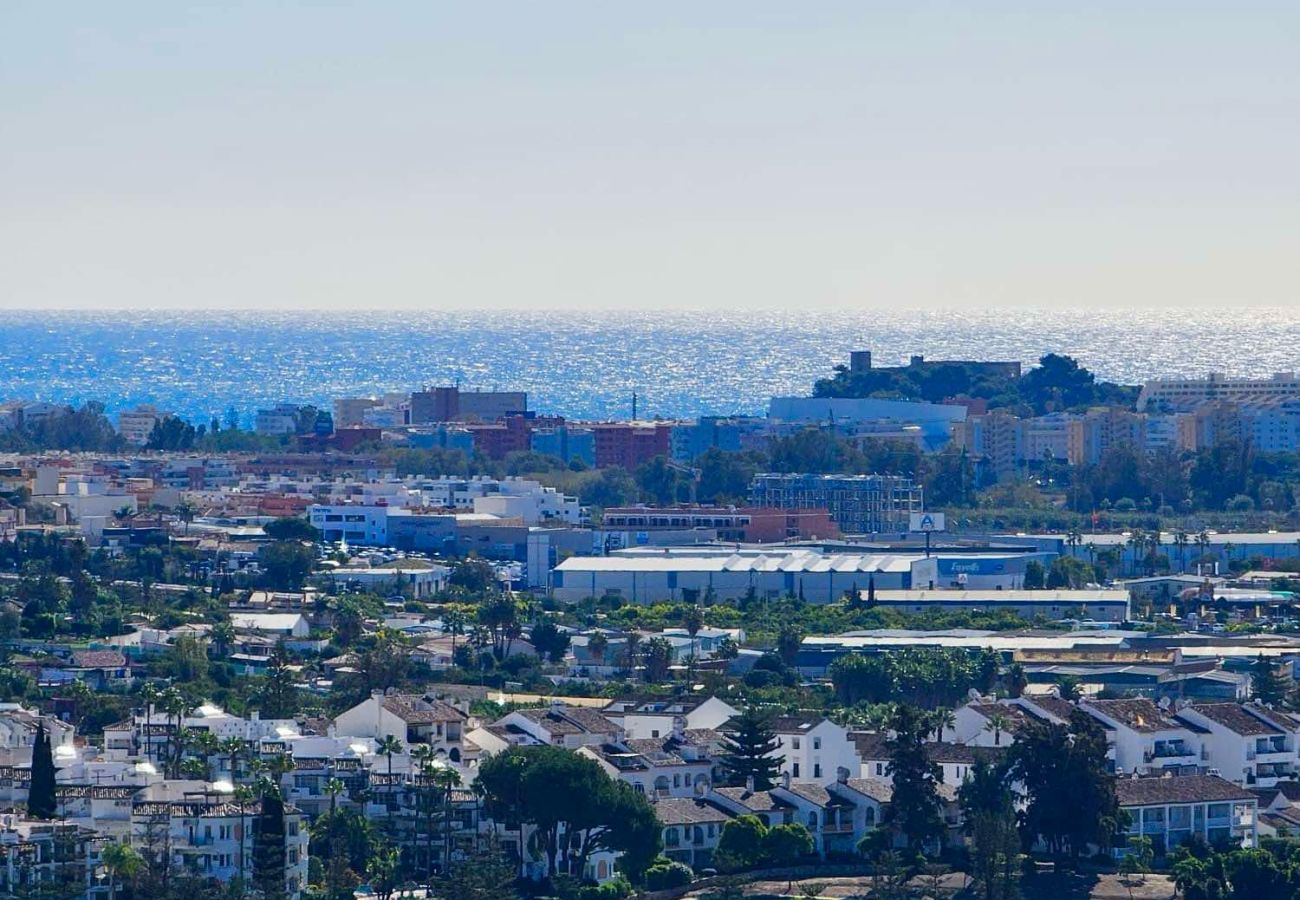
1183 395
996 441
629 444
451 404
1096 431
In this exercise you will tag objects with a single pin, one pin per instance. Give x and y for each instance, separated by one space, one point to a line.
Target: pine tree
268 846
914 808
1268 686
748 751
41 803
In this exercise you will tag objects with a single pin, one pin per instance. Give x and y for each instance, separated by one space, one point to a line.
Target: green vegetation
928 678
745 754
574 806
41 801
1058 383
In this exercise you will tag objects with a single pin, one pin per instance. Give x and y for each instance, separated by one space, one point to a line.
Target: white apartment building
1171 810
361 524
653 767
507 498
642 719
204 831
135 425
1246 744
814 749
1184 394
279 420
1143 738
411 719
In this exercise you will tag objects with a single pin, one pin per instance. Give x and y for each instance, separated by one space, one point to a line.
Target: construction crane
693 471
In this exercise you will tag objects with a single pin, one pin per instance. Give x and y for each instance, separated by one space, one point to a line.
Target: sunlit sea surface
586 366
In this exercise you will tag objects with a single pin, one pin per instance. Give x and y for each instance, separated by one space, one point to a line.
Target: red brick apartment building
743 524
629 444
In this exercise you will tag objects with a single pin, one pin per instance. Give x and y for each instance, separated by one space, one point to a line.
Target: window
880 769
817 743
794 770
817 770
670 837
794 743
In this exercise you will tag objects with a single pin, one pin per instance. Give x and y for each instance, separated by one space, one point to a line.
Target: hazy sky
617 155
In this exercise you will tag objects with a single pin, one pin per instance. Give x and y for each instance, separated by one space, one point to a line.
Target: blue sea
586 365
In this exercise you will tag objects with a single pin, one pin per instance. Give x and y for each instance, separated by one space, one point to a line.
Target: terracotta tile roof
1178 789
816 794
1138 714
415 710
1056 706
1235 718
99 659
873 746
687 811
870 787
755 801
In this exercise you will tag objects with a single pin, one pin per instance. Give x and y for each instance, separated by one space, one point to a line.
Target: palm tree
423 755
631 651
597 644
1073 538
998 721
185 511
206 744
389 745
940 720
453 623
1137 542
222 637
244 795
692 621
281 764
1180 541
1202 544
447 779
234 748
123 864
334 787
174 705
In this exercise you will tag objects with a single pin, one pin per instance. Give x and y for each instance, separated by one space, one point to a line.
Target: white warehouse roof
796 561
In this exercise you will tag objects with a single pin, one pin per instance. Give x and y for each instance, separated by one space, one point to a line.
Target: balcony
1172 750
837 828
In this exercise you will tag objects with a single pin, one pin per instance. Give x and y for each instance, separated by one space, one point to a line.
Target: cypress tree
268 846
748 749
913 810
41 803
1266 683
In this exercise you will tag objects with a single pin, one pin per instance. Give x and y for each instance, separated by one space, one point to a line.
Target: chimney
842 775
749 784
785 780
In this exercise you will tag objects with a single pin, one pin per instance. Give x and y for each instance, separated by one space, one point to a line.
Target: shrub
786 844
614 889
663 875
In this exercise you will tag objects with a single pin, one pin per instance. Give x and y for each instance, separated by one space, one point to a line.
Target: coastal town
937 627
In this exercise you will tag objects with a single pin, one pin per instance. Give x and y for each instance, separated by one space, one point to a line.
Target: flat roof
994 596
800 561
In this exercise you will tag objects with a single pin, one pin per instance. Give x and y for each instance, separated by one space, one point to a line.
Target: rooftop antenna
634 406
